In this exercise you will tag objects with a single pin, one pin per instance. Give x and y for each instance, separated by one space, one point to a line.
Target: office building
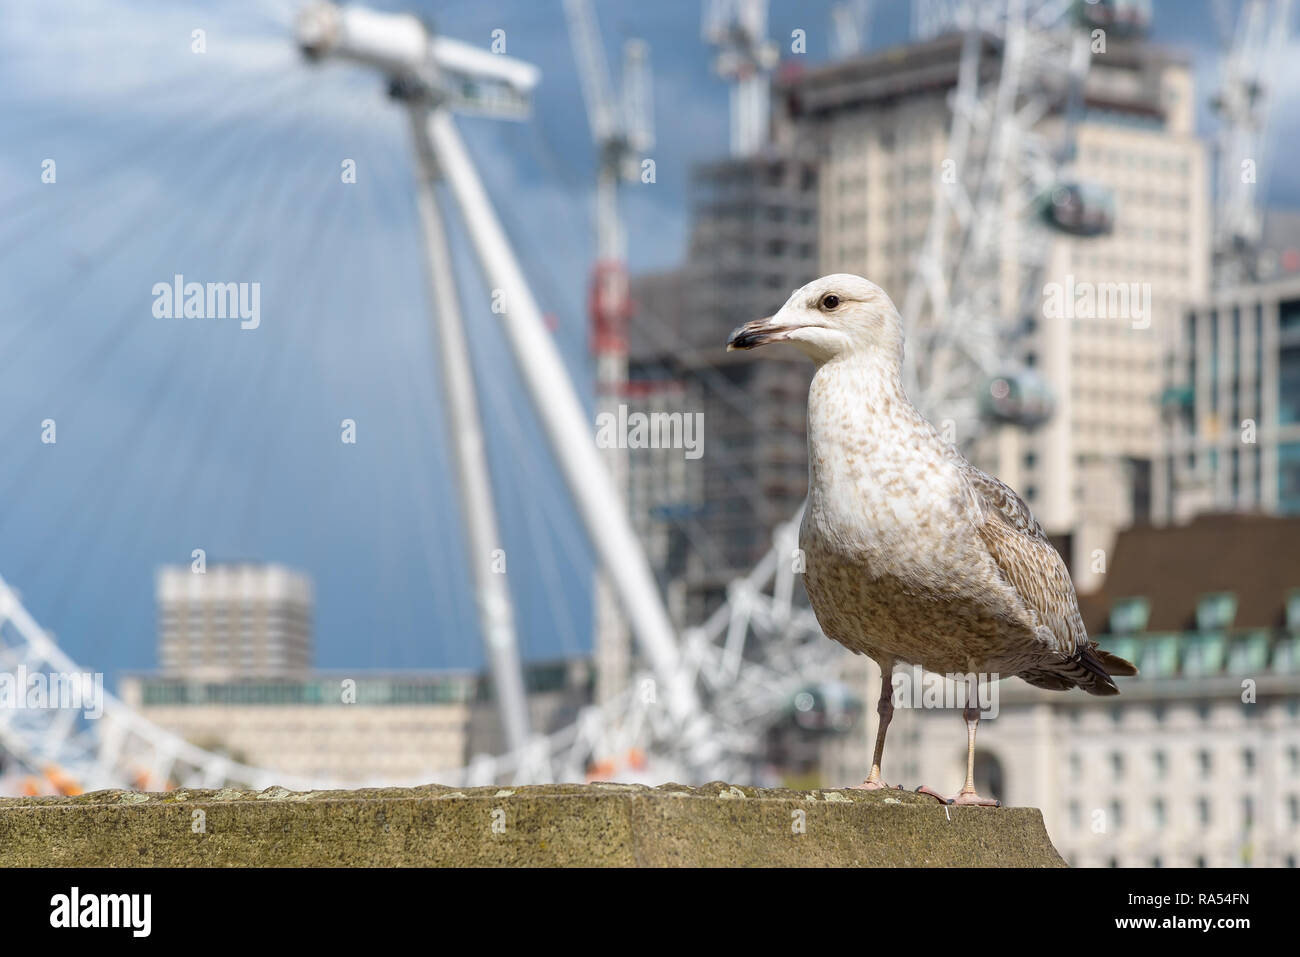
355 727
232 619
1232 405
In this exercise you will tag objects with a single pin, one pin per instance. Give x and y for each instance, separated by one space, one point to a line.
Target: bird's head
833 316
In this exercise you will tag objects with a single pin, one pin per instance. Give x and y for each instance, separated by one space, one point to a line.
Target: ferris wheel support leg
465 430
568 431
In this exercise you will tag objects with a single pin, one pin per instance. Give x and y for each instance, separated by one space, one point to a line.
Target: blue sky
175 435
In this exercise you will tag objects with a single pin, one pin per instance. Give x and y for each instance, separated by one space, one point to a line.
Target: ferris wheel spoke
116 336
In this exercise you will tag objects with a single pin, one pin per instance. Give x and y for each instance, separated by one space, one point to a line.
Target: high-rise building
880 124
1232 405
234 619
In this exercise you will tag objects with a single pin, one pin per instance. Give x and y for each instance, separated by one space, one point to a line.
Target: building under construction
753 240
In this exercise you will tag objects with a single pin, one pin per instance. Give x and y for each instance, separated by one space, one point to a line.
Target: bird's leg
971 713
884 708
967 793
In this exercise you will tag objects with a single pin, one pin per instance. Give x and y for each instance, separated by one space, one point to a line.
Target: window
1289 383
1161 763
1203 811
1216 611
1288 315
1293 609
1128 615
1204 653
1158 816
1288 465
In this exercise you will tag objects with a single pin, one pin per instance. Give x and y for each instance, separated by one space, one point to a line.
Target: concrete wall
552 825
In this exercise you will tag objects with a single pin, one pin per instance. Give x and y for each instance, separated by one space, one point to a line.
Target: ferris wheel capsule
1021 397
1122 17
1080 209
829 706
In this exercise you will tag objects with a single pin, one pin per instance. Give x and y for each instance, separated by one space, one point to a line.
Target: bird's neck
859 385
856 406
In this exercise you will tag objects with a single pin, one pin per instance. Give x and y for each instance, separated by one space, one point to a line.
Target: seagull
911 554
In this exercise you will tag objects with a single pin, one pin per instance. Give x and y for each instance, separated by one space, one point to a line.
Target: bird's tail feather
1091 669
1114 664
1096 679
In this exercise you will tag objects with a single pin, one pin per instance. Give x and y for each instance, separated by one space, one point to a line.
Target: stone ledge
544 825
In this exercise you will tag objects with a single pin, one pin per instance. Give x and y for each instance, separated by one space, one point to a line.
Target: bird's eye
830 301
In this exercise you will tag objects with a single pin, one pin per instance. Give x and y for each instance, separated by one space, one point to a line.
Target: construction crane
622 128
850 28
738 28
1255 46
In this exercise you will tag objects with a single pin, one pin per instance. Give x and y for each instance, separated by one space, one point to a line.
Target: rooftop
1253 556
931 67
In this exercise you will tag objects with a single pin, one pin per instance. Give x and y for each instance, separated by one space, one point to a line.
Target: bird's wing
1027 560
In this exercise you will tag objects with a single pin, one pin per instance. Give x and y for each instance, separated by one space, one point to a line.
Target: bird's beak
757 333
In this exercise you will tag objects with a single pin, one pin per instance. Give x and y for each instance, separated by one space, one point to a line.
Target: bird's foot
963 798
971 799
870 785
